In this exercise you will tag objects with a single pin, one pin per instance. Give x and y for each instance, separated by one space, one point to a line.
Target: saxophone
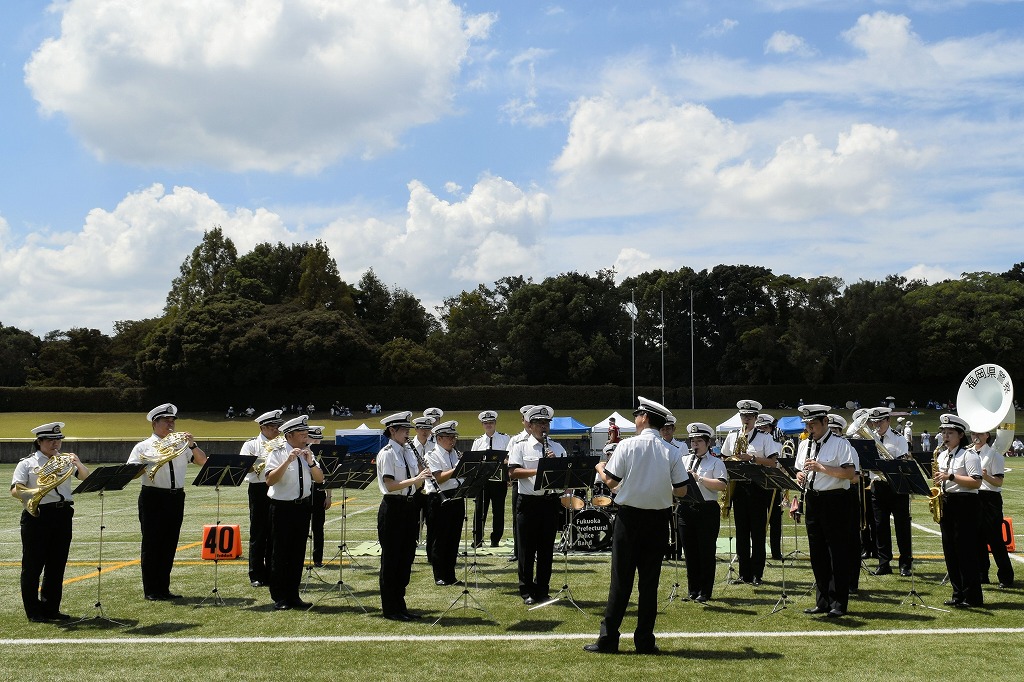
268 447
936 494
57 470
166 449
741 447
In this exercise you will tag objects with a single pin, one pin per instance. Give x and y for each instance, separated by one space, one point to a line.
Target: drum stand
570 515
914 598
465 595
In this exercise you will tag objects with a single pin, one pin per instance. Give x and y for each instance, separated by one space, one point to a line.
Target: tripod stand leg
465 596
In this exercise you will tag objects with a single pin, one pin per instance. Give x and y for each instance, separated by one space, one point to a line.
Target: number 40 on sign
221 542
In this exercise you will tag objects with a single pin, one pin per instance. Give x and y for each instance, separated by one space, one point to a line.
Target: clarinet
422 462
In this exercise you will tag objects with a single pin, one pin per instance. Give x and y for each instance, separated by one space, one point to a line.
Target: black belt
56 505
167 491
826 493
300 500
959 494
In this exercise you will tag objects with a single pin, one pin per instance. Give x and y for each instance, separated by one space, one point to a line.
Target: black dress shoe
905 572
815 610
701 599
969 605
299 604
411 616
37 619
495 543
171 595
865 554
756 582
882 570
257 583
952 602
400 617
282 606
835 613
440 583
57 617
854 590
159 597
528 600
596 648
653 651
778 557
1006 586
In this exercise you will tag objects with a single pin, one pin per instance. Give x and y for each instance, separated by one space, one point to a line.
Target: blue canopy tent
567 426
361 440
790 426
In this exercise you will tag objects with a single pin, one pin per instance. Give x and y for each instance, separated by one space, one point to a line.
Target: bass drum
592 530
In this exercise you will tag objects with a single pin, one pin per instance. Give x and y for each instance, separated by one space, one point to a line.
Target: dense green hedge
214 399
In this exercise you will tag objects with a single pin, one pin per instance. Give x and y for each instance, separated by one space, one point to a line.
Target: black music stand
100 480
229 470
788 464
739 472
329 455
355 473
474 469
778 479
565 473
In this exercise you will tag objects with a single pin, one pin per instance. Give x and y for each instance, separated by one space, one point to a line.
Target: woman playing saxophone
44 477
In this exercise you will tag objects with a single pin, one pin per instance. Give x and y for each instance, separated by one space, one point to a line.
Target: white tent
599 431
733 423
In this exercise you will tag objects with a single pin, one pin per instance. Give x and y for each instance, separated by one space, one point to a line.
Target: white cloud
929 273
782 42
524 109
260 84
646 156
720 29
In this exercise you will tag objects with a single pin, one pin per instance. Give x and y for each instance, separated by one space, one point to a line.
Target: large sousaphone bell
985 401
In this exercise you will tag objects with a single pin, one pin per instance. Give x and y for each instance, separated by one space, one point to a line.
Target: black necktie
170 468
811 453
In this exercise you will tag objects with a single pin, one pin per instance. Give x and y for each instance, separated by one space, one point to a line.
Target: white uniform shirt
908 435
926 442
684 449
179 465
24 473
499 441
398 462
832 451
526 454
960 463
254 448
288 487
648 469
707 466
439 460
758 443
994 464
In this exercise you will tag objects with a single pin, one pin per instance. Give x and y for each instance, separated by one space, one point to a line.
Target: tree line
281 315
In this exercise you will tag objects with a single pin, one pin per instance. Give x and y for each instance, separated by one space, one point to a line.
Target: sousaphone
985 402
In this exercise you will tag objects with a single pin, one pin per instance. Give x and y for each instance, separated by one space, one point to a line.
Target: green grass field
213 642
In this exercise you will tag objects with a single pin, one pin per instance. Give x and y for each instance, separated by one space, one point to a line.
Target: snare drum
570 500
602 496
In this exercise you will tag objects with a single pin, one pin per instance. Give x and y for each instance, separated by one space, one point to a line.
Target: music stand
351 472
565 473
229 470
776 479
329 455
473 471
100 480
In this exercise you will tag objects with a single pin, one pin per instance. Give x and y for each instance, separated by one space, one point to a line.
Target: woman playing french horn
44 477
958 477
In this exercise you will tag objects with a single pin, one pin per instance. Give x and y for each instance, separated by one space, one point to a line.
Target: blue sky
446 145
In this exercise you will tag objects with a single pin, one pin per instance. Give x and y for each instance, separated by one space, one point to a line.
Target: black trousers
539 517
854 500
886 503
775 524
260 542
992 536
45 544
961 526
161 512
515 519
317 521
397 527
638 546
750 516
698 532
493 498
289 527
828 539
446 518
